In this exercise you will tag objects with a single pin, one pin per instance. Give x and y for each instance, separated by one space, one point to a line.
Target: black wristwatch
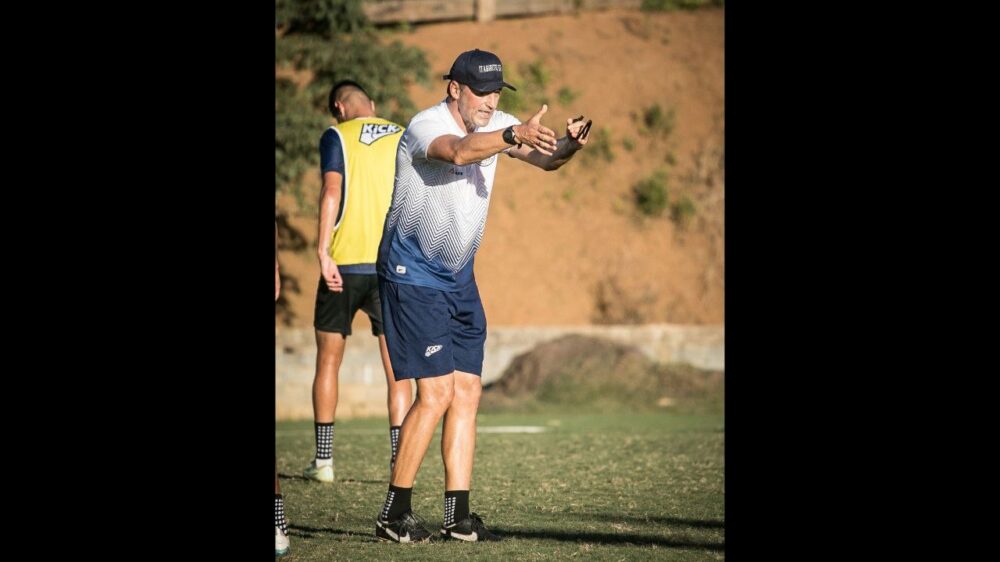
508 136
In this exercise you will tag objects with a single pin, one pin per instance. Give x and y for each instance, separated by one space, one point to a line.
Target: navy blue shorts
430 332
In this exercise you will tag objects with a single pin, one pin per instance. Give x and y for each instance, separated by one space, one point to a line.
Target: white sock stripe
279 514
388 504
449 510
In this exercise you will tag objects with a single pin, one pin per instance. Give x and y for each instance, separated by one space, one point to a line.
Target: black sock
279 514
394 437
456 506
324 440
397 502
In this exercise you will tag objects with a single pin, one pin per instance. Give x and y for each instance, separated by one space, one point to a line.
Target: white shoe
322 473
280 542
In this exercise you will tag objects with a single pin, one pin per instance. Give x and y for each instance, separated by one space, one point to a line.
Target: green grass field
589 487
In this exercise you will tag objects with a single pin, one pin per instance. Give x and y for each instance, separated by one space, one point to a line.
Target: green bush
324 18
566 95
510 101
332 40
681 212
598 147
651 194
537 73
670 5
656 121
530 79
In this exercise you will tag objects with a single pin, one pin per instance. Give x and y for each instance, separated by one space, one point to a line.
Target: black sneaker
470 529
408 528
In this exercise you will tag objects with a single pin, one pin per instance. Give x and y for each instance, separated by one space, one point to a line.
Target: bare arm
466 150
566 148
329 205
475 147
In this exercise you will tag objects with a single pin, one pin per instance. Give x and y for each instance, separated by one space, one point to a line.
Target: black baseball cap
479 70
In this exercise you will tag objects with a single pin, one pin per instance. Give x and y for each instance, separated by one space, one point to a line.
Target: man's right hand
331 275
536 135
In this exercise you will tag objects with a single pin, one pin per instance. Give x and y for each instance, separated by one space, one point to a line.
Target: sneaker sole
446 536
390 539
314 478
387 539
319 480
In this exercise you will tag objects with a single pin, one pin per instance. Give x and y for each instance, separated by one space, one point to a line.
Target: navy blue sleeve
331 157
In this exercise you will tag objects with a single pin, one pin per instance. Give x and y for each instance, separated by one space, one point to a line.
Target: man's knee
436 393
330 345
468 388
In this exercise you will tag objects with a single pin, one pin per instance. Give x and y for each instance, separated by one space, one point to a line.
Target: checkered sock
324 441
279 514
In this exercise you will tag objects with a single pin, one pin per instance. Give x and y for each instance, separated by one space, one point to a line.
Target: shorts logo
432 349
401 269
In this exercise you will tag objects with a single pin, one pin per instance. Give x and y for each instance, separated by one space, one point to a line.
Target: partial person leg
329 356
458 449
280 523
399 397
397 522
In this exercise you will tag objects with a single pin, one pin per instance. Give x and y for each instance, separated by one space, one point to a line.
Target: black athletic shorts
335 311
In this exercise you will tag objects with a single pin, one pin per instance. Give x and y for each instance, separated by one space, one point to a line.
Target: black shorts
335 311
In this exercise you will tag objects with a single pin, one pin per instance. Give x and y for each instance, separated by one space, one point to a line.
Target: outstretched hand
536 135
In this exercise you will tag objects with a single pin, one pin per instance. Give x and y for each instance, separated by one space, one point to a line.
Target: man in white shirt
433 318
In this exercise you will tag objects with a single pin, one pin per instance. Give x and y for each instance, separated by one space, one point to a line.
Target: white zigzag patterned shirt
438 212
